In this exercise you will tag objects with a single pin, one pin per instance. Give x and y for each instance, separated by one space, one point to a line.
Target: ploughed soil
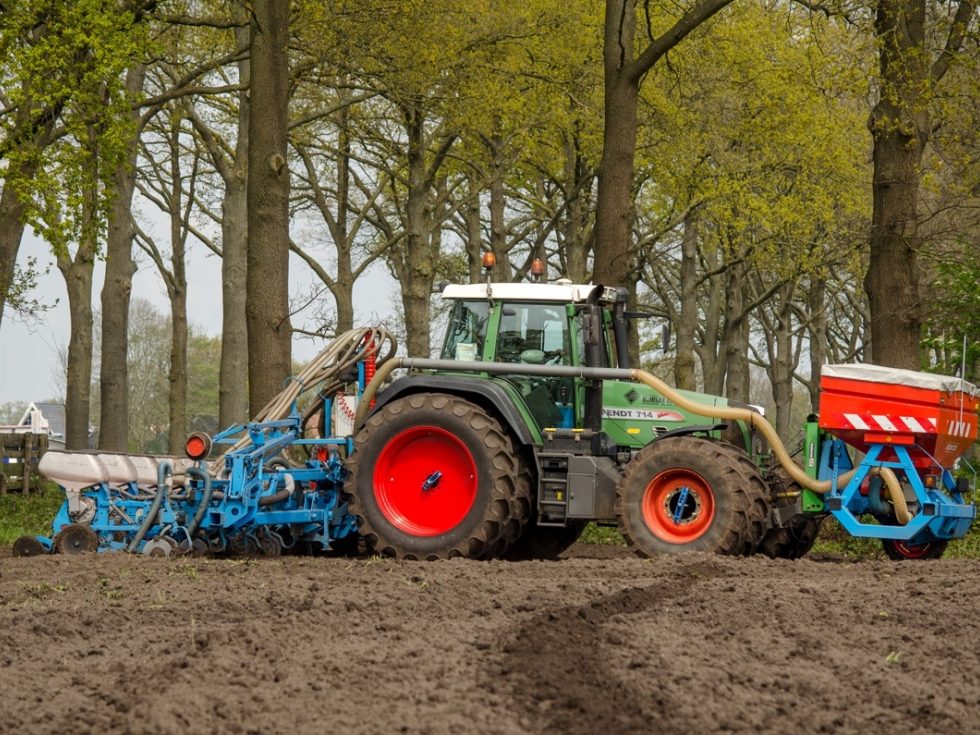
599 642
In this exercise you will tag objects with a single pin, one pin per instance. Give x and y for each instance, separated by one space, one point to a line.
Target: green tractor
529 426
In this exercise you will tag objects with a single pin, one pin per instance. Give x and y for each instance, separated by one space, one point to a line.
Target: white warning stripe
883 422
914 425
959 428
893 424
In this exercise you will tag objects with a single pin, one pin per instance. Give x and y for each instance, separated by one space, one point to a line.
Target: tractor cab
534 324
560 324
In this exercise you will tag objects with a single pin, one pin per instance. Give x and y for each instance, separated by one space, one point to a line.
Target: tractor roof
575 293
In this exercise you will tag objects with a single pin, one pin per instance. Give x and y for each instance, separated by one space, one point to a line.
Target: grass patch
833 539
601 535
29 515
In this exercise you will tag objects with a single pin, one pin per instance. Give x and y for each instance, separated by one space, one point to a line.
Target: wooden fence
19 455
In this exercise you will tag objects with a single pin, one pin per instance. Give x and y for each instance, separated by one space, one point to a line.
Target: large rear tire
434 477
794 539
687 493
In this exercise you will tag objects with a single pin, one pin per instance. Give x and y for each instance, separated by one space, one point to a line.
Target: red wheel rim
425 481
678 506
911 551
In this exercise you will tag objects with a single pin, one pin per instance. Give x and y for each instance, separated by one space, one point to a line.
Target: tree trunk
78 282
344 290
474 231
116 291
576 246
11 234
783 363
614 204
177 290
503 271
624 70
711 353
420 261
267 305
901 125
687 321
233 372
736 337
177 432
817 313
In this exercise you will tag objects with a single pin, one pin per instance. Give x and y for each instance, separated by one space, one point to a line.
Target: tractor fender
686 430
484 393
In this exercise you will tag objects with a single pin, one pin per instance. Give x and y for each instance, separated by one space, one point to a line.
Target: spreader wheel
687 493
76 538
433 477
904 551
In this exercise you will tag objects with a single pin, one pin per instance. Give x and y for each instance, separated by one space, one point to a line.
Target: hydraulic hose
325 371
279 495
759 422
164 472
752 418
202 506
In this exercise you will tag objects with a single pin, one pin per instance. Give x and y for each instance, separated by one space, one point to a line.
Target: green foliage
22 515
955 315
62 73
18 297
601 535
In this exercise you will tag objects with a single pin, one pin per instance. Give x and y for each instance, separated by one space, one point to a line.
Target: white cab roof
895 376
570 292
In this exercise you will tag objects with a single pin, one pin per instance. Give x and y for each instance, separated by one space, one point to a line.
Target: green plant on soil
28 515
601 535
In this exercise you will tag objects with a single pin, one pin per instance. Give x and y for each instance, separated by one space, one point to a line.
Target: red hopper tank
870 404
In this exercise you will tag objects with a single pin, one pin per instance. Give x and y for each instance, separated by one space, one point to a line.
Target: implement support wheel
687 493
435 477
904 551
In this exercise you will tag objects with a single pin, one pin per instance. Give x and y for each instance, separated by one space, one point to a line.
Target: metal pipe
621 329
164 471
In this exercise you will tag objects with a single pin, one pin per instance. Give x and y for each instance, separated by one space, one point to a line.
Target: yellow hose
718 412
759 422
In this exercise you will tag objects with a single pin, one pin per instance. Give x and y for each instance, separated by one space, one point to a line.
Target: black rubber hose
163 471
202 507
278 497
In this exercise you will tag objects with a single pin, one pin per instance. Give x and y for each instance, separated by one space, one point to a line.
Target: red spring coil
370 365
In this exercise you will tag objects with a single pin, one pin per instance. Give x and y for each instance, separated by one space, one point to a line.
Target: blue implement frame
940 513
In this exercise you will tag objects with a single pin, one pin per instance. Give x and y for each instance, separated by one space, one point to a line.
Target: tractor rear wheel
545 542
688 493
794 539
904 551
435 477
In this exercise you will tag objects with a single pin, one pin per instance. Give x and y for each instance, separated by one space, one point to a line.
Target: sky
29 362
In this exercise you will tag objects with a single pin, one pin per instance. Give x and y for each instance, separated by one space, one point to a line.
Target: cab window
467 331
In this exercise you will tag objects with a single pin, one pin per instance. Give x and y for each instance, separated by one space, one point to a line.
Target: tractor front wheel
688 493
435 477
